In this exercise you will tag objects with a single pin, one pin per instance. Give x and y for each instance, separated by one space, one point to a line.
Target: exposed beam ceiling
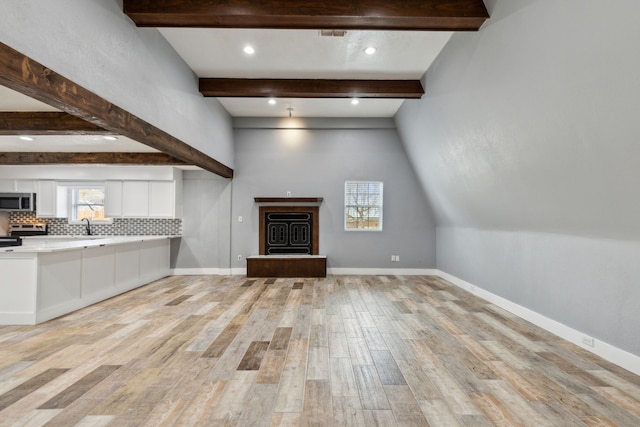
155 159
22 74
419 15
46 123
310 88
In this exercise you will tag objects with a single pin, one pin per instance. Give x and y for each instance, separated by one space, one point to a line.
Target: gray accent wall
527 146
206 230
315 161
95 45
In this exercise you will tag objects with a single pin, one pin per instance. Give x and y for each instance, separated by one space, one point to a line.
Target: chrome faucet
88 226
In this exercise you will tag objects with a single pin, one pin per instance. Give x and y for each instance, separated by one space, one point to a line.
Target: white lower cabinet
98 273
40 286
128 266
60 280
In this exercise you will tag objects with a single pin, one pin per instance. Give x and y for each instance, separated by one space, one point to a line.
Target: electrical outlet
397 258
239 258
393 258
588 341
288 193
240 218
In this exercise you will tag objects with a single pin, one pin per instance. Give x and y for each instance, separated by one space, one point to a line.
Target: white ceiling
278 54
14 101
11 100
305 54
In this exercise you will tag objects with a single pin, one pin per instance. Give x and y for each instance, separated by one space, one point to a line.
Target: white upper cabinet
113 199
135 199
46 199
162 200
141 199
17 186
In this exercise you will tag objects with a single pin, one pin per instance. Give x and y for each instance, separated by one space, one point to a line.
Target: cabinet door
7 186
25 186
113 199
135 199
162 199
46 200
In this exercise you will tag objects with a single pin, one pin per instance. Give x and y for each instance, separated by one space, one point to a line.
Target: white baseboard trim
381 272
238 272
332 271
613 354
201 272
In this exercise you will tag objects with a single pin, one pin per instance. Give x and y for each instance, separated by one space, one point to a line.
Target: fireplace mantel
288 201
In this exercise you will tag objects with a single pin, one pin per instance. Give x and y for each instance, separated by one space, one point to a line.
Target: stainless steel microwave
17 202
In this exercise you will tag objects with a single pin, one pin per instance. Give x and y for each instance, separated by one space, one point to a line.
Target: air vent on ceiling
333 33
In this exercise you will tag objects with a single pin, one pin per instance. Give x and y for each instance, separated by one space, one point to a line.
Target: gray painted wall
94 44
316 162
526 144
206 230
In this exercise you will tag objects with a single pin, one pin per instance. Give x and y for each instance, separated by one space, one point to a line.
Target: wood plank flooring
338 351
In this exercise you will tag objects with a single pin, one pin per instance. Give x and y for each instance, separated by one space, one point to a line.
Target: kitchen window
87 202
363 206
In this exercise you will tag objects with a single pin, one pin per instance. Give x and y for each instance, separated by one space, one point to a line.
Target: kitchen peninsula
47 278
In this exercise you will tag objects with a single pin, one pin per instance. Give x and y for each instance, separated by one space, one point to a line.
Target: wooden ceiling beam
310 88
46 123
24 75
407 15
34 158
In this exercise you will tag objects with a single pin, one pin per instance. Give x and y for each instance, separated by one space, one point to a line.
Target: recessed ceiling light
272 101
355 101
27 138
249 50
111 138
370 50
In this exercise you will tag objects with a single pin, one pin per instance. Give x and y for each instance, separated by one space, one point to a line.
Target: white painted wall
94 44
527 146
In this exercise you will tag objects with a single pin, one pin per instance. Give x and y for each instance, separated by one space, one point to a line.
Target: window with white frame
87 201
363 206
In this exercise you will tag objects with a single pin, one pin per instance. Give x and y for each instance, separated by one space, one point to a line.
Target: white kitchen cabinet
162 202
6 185
135 199
17 186
53 282
140 199
46 199
113 199
25 185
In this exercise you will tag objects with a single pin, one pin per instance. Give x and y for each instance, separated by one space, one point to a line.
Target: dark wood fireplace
288 238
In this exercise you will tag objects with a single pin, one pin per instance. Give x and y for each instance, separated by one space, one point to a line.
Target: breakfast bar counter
49 277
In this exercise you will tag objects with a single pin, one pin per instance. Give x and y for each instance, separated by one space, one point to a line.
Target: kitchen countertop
43 244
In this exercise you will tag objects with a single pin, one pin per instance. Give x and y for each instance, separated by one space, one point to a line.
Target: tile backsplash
120 226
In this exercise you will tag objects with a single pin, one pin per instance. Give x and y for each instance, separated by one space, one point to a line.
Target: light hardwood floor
346 350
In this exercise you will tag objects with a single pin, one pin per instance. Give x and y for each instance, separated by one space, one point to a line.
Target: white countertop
38 244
